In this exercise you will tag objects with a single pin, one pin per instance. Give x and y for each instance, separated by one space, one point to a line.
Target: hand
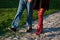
29 0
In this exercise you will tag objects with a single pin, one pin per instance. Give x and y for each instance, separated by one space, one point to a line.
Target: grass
8 10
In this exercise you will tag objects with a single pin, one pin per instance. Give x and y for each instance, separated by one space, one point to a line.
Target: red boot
40 21
39 30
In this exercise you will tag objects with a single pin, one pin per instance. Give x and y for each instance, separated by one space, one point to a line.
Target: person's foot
12 29
29 30
38 32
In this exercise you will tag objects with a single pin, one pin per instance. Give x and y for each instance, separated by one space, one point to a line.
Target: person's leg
30 14
40 21
18 15
43 7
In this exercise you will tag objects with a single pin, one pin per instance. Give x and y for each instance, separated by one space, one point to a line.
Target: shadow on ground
57 30
51 29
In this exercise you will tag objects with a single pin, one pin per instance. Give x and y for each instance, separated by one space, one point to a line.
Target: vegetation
8 10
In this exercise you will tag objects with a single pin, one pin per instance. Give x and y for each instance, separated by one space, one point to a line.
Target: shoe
38 32
29 30
12 29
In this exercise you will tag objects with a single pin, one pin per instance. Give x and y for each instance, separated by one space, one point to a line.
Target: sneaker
29 30
12 29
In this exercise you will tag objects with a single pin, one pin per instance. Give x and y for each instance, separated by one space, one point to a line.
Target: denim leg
21 7
30 13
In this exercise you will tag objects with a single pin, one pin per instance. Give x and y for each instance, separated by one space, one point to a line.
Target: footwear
29 30
38 32
12 29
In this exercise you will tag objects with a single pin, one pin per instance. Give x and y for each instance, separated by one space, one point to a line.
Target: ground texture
51 30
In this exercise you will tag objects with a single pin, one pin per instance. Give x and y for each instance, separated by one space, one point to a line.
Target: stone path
51 30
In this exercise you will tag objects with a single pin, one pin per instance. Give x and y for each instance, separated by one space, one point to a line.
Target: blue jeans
22 5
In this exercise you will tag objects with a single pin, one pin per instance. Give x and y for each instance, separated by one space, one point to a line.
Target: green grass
8 10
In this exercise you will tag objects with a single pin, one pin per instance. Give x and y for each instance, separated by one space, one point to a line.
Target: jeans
22 5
